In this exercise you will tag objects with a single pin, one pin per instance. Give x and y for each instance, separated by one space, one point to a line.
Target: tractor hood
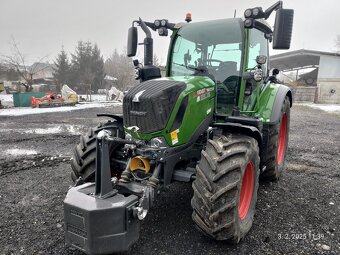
158 107
148 105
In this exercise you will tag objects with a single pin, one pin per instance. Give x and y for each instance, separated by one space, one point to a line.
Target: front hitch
104 217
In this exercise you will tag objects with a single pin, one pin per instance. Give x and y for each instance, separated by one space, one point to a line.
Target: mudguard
282 92
271 100
249 130
116 117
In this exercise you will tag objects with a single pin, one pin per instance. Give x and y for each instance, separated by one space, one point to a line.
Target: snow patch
335 108
53 130
6 99
50 129
95 98
20 152
40 131
19 111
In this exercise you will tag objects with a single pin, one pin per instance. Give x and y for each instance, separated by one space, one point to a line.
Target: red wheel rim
281 148
246 190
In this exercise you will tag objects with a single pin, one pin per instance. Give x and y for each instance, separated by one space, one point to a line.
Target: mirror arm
145 28
151 25
171 26
134 22
274 7
262 27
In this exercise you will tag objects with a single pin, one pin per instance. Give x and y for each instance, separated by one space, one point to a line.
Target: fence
304 94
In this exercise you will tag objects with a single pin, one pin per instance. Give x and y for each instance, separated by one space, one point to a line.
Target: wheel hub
281 148
246 190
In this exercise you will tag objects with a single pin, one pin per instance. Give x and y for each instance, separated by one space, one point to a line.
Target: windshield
212 49
214 45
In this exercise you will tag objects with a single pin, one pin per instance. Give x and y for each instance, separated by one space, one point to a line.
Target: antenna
235 13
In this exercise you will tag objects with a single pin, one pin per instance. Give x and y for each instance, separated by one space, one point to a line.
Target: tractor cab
231 52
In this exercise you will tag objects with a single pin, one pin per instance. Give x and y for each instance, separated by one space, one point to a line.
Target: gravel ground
300 214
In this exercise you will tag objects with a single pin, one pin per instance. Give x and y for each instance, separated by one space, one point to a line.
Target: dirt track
298 215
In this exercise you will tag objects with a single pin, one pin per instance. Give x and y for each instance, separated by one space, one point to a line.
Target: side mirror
283 29
132 42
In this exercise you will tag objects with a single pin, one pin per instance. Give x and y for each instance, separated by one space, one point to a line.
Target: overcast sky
41 27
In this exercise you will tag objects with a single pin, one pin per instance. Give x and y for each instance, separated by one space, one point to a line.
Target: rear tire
225 189
84 154
277 145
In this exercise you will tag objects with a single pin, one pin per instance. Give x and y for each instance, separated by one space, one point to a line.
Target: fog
41 27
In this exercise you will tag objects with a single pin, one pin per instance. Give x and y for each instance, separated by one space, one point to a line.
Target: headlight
258 75
248 23
157 23
158 142
163 31
137 73
256 11
163 22
247 13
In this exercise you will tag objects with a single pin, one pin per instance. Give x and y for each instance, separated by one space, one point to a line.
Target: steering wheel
214 60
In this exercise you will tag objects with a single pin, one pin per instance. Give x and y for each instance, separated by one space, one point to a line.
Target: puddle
19 152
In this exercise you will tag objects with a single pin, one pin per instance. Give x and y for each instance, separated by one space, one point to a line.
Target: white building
321 85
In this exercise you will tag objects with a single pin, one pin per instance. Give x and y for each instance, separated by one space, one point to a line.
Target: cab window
258 45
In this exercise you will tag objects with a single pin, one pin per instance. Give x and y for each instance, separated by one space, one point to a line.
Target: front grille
149 105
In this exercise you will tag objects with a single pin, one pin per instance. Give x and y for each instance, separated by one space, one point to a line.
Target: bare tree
337 43
156 61
17 62
121 67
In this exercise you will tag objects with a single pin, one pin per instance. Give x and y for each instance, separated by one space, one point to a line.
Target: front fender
251 131
116 117
271 100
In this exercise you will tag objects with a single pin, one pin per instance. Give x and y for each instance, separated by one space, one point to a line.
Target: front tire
84 154
225 189
277 145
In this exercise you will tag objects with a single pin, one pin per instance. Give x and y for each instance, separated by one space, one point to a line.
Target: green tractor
217 120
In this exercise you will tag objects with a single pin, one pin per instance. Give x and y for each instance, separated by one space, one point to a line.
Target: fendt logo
138 113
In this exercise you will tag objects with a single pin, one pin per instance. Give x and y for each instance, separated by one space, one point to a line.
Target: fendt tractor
217 119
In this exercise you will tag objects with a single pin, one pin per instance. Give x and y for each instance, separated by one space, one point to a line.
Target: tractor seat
225 70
